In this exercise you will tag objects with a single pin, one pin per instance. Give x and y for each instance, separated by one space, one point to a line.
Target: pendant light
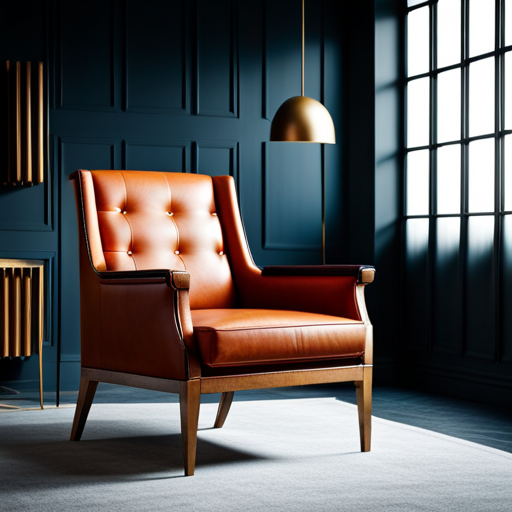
302 119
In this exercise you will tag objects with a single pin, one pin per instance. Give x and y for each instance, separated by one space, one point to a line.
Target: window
458 177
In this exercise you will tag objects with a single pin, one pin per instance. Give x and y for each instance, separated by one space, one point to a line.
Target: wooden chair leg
364 408
226 400
83 405
190 399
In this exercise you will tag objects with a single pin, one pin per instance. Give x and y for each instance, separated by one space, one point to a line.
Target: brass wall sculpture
24 123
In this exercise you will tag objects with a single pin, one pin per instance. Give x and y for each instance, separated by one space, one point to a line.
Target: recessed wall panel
292 196
217 158
480 285
26 209
155 56
165 156
87 56
217 68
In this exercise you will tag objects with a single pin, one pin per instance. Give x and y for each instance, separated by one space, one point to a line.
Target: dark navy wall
387 172
191 86
28 216
372 162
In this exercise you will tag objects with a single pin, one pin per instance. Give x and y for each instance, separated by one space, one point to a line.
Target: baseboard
20 385
384 372
69 378
461 386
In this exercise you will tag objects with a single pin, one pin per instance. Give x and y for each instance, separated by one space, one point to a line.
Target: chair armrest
363 273
325 289
133 274
137 322
177 279
342 285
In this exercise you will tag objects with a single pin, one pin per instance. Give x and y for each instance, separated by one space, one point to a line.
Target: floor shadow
140 457
484 424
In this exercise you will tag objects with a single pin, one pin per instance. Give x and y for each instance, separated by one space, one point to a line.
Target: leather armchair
171 300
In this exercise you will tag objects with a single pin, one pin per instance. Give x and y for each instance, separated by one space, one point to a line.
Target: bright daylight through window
458 165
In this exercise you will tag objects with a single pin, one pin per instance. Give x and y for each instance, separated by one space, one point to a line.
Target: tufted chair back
159 220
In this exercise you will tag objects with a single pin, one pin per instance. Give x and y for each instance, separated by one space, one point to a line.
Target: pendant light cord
303 37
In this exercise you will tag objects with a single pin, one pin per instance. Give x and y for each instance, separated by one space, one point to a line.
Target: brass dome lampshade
302 119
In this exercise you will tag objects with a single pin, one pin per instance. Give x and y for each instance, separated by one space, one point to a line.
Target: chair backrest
139 220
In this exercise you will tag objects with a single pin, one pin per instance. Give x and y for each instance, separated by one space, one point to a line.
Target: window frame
498 135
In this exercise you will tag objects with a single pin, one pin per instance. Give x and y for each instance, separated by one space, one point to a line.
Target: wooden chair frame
190 391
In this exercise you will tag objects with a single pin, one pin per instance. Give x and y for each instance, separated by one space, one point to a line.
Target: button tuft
130 253
124 213
221 253
170 214
176 252
118 210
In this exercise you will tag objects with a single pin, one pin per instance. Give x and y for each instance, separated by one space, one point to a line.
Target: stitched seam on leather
126 217
249 328
290 360
174 222
355 301
178 242
211 350
169 191
82 208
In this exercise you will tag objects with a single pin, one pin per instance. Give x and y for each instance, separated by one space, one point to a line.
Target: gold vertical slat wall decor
22 311
25 124
21 307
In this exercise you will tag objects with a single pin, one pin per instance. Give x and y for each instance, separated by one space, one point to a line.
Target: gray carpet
283 455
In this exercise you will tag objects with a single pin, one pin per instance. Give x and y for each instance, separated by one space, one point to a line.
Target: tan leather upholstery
151 220
164 220
333 295
171 299
233 337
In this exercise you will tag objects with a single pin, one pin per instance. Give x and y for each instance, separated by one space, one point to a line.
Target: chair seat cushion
234 337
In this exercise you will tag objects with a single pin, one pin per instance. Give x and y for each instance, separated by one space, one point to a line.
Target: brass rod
40 128
9 117
28 121
323 207
303 39
18 122
5 314
40 284
16 313
26 321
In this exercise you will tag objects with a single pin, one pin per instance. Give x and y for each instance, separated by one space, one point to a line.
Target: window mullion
464 148
499 166
433 171
433 109
497 106
464 98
